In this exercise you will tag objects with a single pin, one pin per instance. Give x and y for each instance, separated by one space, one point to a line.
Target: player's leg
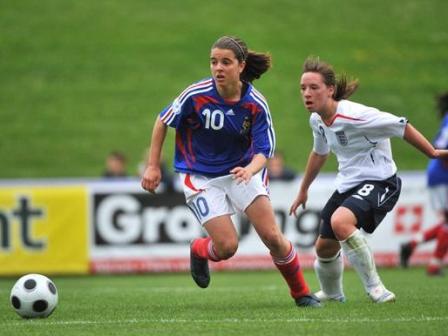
436 262
408 248
329 268
213 211
355 247
284 256
221 244
439 200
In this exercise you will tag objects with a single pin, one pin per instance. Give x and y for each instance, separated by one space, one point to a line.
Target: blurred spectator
277 170
115 165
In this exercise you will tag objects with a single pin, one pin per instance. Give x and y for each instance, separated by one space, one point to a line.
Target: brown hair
442 103
344 88
256 63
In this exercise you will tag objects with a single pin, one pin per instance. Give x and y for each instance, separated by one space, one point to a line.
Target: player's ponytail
344 88
256 63
442 103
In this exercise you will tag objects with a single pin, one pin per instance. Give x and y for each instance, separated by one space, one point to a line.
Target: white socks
329 272
360 256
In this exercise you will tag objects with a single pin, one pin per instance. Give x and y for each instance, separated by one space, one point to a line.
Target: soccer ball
34 295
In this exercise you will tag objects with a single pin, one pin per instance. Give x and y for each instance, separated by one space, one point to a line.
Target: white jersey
359 137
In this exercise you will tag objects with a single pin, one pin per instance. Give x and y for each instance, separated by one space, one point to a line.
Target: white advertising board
131 230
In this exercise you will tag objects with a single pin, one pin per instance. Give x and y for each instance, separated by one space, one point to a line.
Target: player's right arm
416 139
152 175
313 167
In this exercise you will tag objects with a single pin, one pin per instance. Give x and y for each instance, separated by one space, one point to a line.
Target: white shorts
439 197
212 197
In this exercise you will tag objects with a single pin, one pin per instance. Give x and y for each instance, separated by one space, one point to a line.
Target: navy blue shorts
370 201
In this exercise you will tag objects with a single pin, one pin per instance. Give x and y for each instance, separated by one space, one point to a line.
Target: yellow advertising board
43 229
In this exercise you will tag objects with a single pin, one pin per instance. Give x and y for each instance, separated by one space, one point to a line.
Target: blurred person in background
437 179
367 186
224 136
277 171
116 165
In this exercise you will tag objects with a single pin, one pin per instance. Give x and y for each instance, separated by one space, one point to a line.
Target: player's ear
331 90
242 65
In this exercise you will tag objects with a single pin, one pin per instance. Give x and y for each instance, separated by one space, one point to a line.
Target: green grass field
80 78
236 303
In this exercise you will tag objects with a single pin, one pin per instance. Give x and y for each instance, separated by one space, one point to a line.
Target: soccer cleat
309 300
405 254
381 295
434 271
199 270
322 296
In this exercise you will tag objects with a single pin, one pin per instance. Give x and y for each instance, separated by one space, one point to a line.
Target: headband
238 46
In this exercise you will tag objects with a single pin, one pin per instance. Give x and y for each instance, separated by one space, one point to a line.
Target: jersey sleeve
263 134
441 140
380 125
320 145
173 113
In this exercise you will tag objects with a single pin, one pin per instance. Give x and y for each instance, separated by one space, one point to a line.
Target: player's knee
337 223
226 249
341 226
327 248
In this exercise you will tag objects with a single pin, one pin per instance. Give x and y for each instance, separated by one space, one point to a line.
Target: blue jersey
437 171
213 135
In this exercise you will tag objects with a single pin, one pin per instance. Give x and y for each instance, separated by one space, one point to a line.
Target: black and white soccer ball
34 295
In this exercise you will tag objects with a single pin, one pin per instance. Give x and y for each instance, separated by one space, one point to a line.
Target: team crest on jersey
245 128
342 138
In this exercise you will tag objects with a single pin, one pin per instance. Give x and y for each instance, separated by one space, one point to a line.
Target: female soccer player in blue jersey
437 178
367 184
224 136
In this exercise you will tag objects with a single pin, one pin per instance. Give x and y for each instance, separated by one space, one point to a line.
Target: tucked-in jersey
213 135
359 137
437 171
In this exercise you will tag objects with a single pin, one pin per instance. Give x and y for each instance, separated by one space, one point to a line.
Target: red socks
436 262
442 242
289 266
431 233
203 248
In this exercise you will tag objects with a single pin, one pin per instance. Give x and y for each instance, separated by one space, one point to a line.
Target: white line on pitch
230 320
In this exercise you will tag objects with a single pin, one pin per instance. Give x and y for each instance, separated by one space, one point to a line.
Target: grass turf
236 303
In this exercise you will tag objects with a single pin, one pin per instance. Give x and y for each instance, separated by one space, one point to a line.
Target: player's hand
241 174
151 179
300 200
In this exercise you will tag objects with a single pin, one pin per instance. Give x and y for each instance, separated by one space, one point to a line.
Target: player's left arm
263 142
416 139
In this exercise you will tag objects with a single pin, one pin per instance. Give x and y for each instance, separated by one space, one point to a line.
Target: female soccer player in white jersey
367 186
224 136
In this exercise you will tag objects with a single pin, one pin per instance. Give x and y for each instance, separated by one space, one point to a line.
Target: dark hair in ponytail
442 103
344 88
256 63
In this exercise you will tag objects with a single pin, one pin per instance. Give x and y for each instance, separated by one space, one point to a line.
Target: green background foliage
79 79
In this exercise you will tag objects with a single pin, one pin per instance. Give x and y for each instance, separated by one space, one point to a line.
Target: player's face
225 67
316 95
